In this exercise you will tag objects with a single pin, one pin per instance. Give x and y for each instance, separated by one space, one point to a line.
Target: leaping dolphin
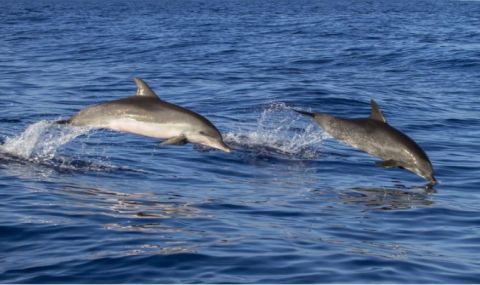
146 114
376 137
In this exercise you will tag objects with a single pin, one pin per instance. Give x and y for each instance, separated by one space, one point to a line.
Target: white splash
280 130
41 140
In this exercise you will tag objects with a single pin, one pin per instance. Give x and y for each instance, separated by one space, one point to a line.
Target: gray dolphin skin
376 137
146 114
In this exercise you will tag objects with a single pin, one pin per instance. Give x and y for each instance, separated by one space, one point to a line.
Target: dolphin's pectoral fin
180 140
388 163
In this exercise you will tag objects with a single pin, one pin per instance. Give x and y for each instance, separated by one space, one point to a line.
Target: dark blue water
289 204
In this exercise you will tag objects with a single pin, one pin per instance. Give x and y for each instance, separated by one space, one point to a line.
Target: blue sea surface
289 204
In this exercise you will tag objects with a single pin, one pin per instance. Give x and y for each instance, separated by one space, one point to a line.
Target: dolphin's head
432 179
424 169
428 174
210 137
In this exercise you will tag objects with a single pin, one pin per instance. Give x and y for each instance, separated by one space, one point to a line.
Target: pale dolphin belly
131 119
148 129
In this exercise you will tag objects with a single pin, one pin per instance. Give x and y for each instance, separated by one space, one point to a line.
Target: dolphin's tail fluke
63 122
305 113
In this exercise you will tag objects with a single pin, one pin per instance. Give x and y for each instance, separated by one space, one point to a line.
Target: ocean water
289 204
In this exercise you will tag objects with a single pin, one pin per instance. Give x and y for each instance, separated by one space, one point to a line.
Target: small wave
21 167
280 131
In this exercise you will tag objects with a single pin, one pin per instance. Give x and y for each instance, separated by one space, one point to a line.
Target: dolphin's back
374 137
142 109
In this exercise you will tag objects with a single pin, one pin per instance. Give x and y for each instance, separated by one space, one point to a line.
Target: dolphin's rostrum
146 114
376 137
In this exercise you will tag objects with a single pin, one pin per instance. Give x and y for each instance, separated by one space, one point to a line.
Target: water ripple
289 204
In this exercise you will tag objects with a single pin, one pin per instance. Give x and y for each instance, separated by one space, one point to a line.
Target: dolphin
376 137
148 115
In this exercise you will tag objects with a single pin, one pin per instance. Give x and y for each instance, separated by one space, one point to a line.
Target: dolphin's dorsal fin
143 89
376 112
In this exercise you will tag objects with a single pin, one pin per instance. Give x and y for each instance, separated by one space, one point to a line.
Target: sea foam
282 131
41 140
